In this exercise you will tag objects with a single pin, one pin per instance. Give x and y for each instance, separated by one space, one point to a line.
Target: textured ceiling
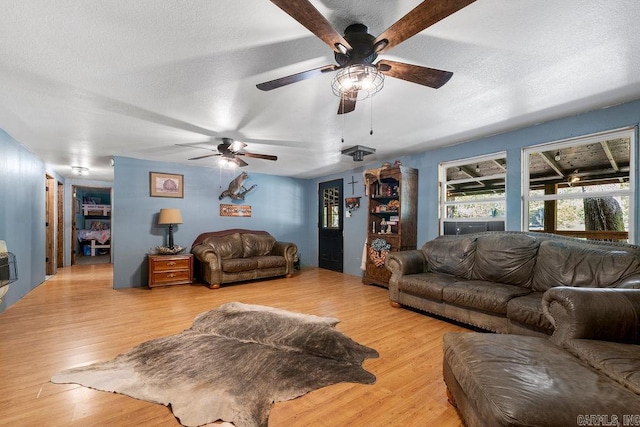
84 80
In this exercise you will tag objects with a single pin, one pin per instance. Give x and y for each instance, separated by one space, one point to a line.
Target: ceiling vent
358 152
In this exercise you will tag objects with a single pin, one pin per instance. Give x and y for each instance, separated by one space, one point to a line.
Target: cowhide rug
232 364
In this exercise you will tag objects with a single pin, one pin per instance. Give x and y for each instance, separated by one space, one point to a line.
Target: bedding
101 236
94 229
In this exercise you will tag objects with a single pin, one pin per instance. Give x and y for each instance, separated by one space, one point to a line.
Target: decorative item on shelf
236 188
165 250
170 216
393 205
378 251
352 203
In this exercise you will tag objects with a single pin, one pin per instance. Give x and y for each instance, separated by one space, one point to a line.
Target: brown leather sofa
587 373
238 255
496 280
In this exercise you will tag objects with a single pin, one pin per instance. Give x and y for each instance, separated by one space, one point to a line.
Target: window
473 194
331 208
581 187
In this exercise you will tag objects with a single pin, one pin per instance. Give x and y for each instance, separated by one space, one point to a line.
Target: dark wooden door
330 225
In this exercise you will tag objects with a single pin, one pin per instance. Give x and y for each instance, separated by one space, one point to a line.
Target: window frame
627 132
443 183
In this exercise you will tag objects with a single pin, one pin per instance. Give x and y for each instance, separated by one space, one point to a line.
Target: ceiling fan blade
236 146
347 105
259 156
195 146
414 73
241 163
204 157
283 81
422 16
307 15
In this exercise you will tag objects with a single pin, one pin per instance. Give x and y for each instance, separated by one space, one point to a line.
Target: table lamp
170 216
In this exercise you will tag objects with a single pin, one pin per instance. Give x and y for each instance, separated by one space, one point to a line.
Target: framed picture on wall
166 185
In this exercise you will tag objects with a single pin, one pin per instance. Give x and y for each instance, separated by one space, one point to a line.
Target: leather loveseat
239 255
496 280
586 374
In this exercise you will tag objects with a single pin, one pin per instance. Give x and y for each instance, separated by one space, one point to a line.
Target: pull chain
342 109
371 116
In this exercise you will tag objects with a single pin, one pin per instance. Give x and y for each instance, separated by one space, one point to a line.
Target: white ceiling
84 80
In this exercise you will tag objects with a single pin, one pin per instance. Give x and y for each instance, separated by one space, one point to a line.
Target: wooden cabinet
392 224
165 270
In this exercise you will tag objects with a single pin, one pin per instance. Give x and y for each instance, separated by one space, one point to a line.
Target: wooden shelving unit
393 205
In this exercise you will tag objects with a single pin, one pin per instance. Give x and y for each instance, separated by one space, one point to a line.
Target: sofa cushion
450 255
505 258
620 362
257 244
270 261
426 285
237 265
567 264
527 309
482 295
514 380
226 246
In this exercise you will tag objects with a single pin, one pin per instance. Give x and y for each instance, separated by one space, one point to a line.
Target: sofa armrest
205 253
401 264
607 314
285 249
629 282
288 250
210 262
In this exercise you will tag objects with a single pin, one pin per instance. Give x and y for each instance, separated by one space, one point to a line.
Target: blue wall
625 115
278 206
22 215
286 207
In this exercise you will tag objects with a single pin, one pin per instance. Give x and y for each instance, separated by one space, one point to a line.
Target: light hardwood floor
76 318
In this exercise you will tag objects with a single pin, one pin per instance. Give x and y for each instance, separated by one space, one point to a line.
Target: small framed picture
166 185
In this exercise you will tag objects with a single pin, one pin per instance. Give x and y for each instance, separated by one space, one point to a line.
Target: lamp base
171 236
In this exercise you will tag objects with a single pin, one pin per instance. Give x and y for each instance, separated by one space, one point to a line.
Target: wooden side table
166 270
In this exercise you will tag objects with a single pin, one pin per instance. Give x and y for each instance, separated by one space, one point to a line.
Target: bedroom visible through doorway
91 225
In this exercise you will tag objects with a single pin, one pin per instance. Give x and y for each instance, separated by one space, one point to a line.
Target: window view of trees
581 187
473 194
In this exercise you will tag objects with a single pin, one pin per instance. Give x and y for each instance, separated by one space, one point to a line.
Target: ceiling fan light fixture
79 170
227 162
357 82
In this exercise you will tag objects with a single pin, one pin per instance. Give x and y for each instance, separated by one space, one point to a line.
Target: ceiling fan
229 150
357 49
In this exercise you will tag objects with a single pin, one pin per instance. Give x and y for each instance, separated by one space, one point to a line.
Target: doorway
50 226
60 227
91 225
330 225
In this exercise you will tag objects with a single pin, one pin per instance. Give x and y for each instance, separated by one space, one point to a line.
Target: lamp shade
170 216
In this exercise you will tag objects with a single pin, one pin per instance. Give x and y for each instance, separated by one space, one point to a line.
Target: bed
96 209
96 235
